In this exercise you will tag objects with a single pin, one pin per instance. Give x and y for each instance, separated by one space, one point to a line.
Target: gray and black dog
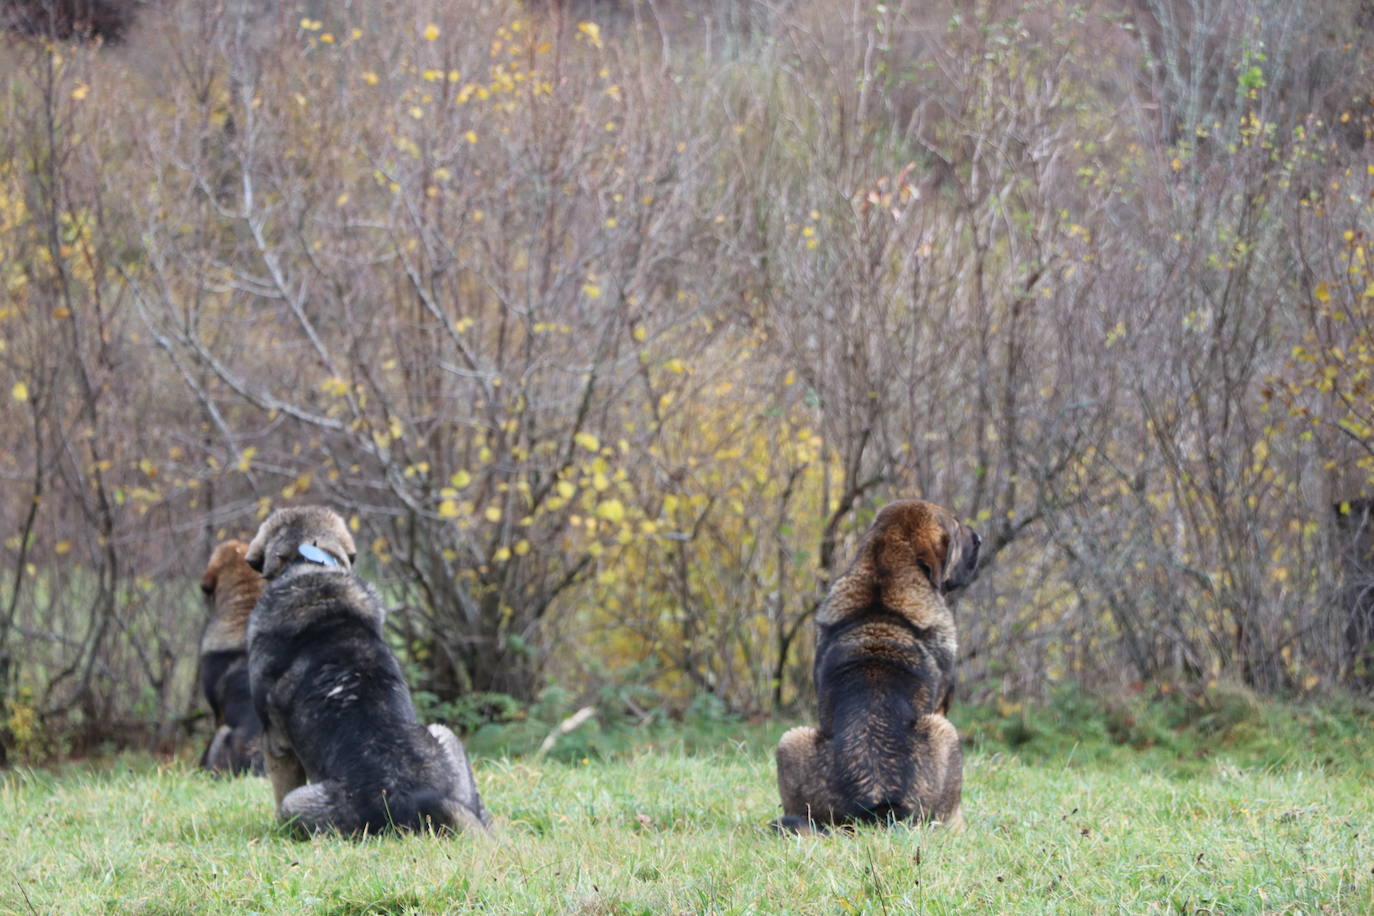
332 698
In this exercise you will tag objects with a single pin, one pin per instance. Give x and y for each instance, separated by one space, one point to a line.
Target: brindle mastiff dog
332 697
885 648
231 587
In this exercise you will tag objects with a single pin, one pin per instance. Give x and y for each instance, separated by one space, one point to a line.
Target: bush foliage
609 334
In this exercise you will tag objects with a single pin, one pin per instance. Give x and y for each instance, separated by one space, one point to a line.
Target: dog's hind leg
808 802
314 808
939 768
465 793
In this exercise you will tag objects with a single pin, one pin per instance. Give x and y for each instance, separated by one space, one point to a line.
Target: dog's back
877 676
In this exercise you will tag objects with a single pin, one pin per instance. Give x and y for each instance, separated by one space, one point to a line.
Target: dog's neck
905 591
310 558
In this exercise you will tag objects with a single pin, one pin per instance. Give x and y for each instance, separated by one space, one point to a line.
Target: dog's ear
207 581
931 552
257 550
272 564
337 549
944 548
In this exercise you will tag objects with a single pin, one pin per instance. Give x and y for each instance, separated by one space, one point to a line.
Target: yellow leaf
521 548
587 441
566 489
611 510
1321 293
448 509
80 91
460 479
431 32
20 392
334 386
370 78
246 458
502 555
62 547
592 31
493 514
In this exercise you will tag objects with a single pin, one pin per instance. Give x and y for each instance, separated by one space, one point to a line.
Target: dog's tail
880 812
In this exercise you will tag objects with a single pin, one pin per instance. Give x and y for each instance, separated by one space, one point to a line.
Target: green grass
1264 811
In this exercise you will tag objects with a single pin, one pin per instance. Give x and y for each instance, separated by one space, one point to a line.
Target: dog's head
931 537
312 535
226 557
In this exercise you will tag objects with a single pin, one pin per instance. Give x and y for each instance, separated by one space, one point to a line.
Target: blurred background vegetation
609 325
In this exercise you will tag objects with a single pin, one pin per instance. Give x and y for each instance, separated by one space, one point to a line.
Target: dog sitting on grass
343 747
232 588
885 646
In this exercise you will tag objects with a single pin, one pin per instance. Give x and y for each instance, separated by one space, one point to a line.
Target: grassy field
1069 811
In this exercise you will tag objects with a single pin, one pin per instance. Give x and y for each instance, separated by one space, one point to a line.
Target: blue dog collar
316 555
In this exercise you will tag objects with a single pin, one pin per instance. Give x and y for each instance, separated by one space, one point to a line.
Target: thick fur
231 588
885 647
331 694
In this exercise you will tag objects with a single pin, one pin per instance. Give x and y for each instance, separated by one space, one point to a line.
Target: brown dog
333 698
885 647
231 587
